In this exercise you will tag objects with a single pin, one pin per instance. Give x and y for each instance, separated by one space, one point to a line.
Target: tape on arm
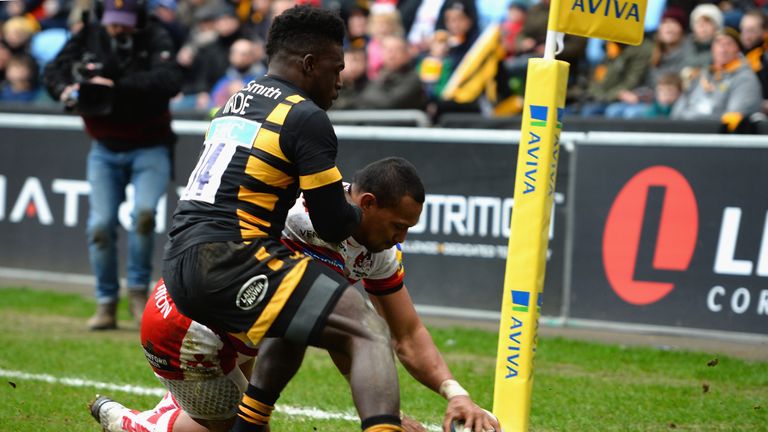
451 388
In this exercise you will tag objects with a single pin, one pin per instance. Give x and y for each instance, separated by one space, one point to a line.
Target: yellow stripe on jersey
294 98
250 231
262 254
266 173
316 180
269 142
266 201
277 116
245 216
275 264
277 302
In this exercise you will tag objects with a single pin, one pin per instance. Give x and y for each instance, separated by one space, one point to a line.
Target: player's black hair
390 179
304 29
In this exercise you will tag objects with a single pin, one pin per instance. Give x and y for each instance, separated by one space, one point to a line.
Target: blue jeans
148 170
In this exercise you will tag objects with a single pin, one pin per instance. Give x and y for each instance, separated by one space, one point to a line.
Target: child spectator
461 25
436 67
20 83
668 89
384 21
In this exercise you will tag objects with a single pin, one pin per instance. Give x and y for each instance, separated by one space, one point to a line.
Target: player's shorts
254 289
196 364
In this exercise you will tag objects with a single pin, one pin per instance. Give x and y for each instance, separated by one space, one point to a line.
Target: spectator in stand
398 85
666 58
384 21
706 21
165 13
728 90
262 13
665 93
421 18
753 29
215 55
357 26
436 67
511 27
668 89
18 32
754 39
625 67
21 84
260 17
354 78
461 25
246 63
202 33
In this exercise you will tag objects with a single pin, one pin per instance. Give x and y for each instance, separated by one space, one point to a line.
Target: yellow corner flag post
538 153
524 278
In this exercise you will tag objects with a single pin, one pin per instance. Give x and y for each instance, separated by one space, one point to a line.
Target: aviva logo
521 301
609 8
539 116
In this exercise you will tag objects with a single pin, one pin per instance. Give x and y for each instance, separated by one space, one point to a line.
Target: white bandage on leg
451 388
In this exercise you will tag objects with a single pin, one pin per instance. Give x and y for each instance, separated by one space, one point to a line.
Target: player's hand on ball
411 425
463 415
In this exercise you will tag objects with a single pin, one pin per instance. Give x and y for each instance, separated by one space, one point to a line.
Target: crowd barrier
651 232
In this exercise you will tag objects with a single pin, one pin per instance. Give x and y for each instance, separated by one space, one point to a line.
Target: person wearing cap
728 90
706 20
118 73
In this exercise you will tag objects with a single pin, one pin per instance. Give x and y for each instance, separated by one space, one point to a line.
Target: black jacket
146 78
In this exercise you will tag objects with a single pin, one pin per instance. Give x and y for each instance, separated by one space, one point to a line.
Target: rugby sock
254 411
382 423
161 418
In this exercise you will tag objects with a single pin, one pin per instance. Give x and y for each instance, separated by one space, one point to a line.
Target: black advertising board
454 258
671 235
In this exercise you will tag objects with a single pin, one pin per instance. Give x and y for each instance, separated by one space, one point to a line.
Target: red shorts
197 364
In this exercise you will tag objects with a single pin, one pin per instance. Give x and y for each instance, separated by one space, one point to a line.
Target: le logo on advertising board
675 242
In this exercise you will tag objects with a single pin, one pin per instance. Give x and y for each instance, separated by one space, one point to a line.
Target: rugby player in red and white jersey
199 366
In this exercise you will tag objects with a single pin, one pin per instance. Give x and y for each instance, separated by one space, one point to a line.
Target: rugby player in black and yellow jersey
224 264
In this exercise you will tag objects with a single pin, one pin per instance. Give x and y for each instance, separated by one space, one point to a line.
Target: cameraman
118 73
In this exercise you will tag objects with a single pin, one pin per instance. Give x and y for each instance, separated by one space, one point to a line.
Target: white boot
108 413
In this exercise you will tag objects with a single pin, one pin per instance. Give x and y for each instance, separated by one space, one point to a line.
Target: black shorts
254 289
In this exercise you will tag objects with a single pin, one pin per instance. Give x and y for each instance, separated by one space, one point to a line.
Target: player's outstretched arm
421 358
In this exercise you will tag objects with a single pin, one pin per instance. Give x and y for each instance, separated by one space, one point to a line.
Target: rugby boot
105 318
137 300
108 413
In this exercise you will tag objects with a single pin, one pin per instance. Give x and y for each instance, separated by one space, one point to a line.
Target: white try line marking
315 413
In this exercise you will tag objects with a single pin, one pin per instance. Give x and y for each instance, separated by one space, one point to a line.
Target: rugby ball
458 426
